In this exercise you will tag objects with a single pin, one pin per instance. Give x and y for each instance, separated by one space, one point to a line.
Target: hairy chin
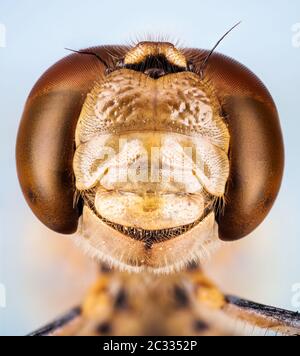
105 244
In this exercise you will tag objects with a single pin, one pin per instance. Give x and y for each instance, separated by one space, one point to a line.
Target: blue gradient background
262 267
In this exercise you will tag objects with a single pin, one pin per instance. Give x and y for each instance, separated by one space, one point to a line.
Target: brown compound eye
256 144
46 139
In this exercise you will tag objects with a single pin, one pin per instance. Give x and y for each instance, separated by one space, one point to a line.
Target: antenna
91 54
204 63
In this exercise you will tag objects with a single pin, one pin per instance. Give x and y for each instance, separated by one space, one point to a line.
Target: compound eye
256 145
45 143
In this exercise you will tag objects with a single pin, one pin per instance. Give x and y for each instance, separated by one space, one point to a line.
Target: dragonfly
156 156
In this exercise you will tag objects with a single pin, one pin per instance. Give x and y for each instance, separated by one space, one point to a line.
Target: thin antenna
91 54
204 63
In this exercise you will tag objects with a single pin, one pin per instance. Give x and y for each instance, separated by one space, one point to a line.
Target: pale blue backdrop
267 264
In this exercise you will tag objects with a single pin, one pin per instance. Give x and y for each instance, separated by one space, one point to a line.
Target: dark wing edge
265 317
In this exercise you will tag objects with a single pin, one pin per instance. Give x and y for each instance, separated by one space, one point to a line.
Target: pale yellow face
151 161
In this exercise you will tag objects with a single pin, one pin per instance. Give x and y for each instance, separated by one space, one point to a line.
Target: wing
185 305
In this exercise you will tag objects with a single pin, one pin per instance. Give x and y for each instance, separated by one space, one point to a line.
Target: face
151 162
165 156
